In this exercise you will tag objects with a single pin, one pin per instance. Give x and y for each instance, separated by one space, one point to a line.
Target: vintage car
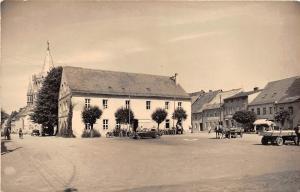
35 132
146 133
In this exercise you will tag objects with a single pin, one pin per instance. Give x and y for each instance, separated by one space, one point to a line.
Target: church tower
36 82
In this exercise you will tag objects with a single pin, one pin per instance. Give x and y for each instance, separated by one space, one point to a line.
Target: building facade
110 91
237 102
278 95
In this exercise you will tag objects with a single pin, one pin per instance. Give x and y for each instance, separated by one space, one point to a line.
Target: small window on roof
148 89
109 87
264 96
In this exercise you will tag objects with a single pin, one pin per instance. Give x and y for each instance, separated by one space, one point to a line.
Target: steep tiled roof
194 96
243 94
293 92
215 102
203 99
92 81
276 91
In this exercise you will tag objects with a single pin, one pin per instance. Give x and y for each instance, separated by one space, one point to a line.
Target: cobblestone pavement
193 162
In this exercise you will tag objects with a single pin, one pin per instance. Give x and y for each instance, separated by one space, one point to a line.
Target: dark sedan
146 133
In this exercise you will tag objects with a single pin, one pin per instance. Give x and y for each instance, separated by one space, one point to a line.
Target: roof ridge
134 73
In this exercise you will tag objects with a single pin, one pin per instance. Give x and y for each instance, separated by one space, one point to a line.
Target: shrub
89 133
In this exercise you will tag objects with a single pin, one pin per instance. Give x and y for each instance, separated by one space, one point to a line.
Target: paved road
195 162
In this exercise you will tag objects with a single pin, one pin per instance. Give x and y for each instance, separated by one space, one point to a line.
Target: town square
150 96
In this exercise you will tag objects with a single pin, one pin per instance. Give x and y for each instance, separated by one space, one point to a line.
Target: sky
211 45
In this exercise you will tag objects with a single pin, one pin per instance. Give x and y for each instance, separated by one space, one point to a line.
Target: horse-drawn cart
234 132
278 137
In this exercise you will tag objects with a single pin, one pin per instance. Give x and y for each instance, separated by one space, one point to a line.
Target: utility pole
220 109
129 109
174 79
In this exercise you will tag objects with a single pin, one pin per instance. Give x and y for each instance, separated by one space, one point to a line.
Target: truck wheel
296 140
279 141
264 141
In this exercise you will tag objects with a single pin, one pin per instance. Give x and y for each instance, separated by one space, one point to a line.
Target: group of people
7 132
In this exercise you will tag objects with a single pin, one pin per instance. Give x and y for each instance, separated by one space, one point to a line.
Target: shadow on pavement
70 189
4 149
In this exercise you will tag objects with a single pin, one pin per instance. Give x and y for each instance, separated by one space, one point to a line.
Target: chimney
255 89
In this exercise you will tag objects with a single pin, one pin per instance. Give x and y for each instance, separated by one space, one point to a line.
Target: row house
207 110
237 102
110 90
279 95
213 112
197 109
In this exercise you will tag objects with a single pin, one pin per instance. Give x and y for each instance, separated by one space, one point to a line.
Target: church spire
48 62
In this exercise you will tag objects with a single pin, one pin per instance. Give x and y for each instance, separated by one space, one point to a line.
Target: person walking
20 133
297 128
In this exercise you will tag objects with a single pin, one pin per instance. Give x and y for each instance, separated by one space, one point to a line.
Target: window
167 123
271 110
105 123
258 111
87 103
281 108
167 105
252 110
179 105
264 111
104 102
127 103
291 111
148 103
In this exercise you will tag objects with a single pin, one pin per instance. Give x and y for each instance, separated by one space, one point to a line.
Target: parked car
146 133
35 132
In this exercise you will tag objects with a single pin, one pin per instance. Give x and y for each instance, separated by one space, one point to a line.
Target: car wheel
264 141
279 141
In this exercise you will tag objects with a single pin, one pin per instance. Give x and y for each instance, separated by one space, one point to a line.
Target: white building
112 90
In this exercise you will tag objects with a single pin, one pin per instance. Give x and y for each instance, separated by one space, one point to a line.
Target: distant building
197 109
23 120
111 90
278 95
237 102
195 95
213 112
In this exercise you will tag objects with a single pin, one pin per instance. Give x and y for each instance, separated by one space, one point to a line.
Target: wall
268 115
138 106
294 117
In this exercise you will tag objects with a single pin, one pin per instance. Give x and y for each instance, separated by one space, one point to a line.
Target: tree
244 117
124 116
282 116
90 115
179 114
46 109
4 116
159 115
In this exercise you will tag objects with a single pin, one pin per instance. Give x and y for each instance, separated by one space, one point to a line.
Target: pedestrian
297 133
20 133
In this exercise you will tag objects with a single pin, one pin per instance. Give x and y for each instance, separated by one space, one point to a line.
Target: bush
88 133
